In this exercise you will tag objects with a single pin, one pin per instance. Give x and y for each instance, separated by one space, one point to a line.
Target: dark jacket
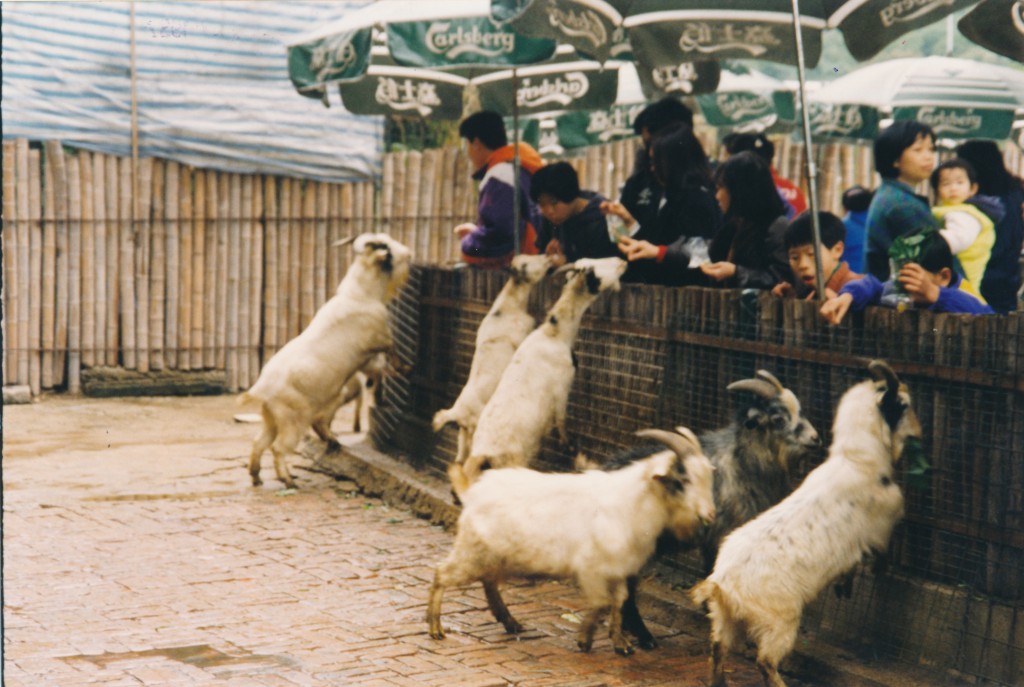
1002 273
691 212
582 236
641 195
759 264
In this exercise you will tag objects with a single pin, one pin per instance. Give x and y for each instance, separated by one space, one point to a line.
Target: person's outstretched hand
719 271
464 230
834 309
637 250
918 283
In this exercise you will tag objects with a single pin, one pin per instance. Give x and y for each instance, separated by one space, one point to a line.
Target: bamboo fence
214 270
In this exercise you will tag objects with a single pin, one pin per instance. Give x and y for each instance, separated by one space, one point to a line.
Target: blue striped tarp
212 85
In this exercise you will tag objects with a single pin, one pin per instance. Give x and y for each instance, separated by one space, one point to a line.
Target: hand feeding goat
597 527
304 379
753 458
534 390
504 327
770 568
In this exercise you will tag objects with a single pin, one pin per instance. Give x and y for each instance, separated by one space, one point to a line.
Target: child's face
555 211
916 162
801 261
955 186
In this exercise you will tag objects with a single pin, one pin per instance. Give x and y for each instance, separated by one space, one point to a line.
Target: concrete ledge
661 601
17 394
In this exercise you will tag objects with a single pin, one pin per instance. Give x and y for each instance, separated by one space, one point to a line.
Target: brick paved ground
137 553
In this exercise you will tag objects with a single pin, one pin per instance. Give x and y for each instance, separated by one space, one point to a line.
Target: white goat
501 331
596 527
534 390
771 567
304 379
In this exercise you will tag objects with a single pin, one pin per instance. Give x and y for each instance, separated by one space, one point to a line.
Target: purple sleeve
865 292
493 234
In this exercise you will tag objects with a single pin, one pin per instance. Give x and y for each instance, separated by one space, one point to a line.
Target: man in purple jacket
491 240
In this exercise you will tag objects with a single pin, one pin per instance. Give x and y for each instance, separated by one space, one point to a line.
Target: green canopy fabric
997 25
749 101
957 98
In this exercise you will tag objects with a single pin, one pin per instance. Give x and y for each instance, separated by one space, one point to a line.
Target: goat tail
706 593
442 418
245 398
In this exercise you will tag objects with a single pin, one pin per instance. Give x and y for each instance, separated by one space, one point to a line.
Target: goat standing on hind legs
773 566
304 380
501 331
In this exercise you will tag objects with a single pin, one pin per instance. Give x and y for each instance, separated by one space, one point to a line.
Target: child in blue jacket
931 283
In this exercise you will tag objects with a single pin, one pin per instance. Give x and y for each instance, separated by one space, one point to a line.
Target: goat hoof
514 628
333 445
584 646
256 481
438 634
647 643
624 650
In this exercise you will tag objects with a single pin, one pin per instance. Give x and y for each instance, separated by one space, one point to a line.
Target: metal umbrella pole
516 211
812 168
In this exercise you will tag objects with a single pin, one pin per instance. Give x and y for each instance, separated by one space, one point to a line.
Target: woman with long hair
1001 280
749 251
661 251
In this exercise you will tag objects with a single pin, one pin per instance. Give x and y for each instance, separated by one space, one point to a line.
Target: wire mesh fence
952 596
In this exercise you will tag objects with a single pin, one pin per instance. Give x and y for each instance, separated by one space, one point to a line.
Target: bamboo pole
212 274
399 202
49 269
414 184
346 210
320 254
184 285
113 269
270 282
143 257
75 275
198 271
157 268
244 277
333 235
223 237
23 248
126 268
99 252
35 270
387 195
173 191
234 273
11 285
284 228
256 276
445 221
307 297
295 322
430 201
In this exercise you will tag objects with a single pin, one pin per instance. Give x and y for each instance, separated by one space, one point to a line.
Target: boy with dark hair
491 240
573 226
931 283
799 241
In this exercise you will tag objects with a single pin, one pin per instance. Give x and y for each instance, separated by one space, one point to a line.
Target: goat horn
345 241
757 386
770 378
565 268
881 371
679 444
688 434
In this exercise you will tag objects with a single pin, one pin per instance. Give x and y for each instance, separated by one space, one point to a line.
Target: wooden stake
143 261
234 272
75 275
23 248
270 285
285 303
320 254
196 352
99 253
244 278
307 298
346 210
295 321
113 268
35 271
11 285
184 285
213 233
49 294
256 239
173 190
126 267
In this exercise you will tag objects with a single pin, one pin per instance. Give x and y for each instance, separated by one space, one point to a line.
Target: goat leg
585 638
632 622
770 673
434 609
620 642
499 609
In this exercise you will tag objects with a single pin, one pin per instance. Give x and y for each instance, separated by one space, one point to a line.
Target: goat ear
756 386
593 282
